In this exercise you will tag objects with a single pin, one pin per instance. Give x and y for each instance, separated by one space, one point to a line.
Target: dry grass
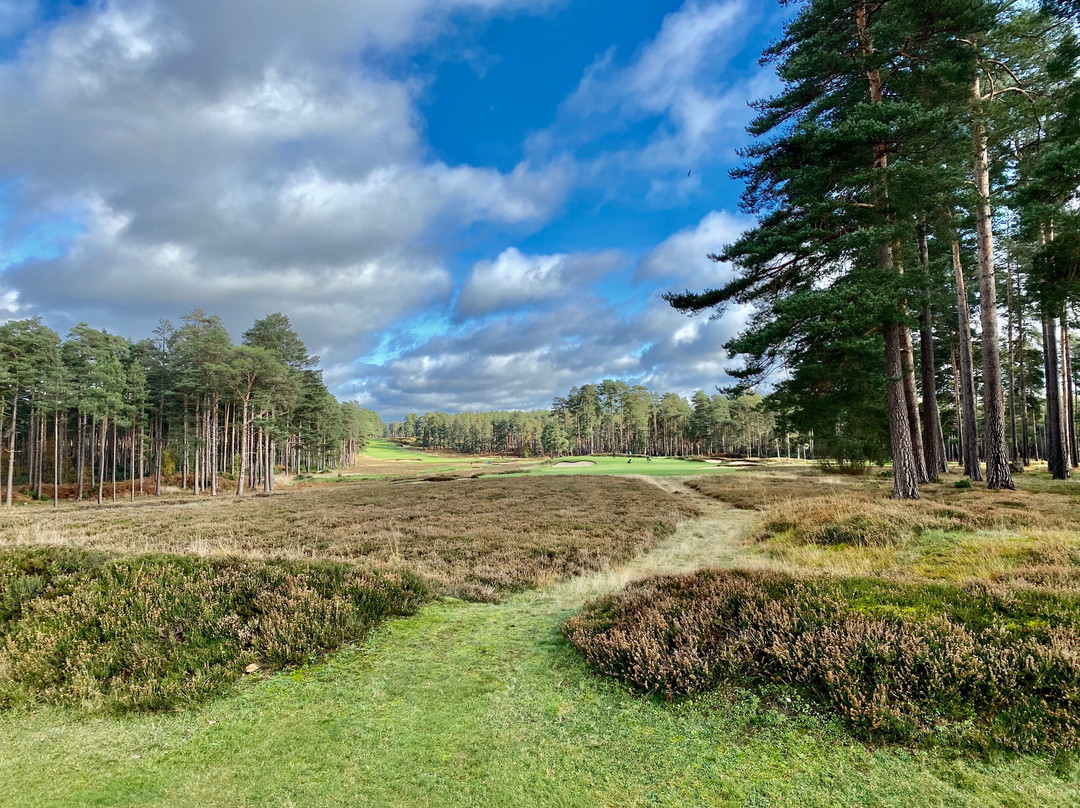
850 526
473 538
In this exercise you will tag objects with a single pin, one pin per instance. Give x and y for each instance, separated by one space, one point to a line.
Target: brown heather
474 538
895 661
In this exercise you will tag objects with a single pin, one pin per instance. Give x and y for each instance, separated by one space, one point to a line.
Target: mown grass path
486 705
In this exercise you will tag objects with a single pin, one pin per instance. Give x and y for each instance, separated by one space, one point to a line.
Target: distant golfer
629 455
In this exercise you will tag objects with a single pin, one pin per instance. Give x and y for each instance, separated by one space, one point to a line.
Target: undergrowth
157 632
992 665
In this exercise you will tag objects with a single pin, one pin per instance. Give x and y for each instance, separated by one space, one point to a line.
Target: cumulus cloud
684 256
257 155
524 360
514 279
246 157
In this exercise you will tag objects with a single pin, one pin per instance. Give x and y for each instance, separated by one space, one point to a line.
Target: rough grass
155 632
802 504
897 662
475 538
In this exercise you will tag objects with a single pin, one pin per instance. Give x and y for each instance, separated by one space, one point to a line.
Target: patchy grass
473 538
156 632
897 662
850 526
487 705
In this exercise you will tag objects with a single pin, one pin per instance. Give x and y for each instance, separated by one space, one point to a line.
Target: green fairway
606 464
390 450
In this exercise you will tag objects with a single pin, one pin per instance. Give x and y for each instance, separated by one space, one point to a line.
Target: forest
185 401
915 182
612 416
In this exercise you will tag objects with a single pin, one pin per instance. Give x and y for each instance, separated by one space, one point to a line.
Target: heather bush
815 511
154 632
895 661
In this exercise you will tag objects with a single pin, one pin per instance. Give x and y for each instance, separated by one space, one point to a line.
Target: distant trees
95 405
613 417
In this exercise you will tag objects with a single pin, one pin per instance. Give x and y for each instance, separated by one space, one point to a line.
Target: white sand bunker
574 465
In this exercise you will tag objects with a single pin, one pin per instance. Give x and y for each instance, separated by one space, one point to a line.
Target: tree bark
933 445
1053 426
998 473
1067 391
113 461
905 472
101 463
1014 449
56 458
11 448
240 478
970 424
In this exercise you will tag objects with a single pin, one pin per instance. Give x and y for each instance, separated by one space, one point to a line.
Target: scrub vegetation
472 538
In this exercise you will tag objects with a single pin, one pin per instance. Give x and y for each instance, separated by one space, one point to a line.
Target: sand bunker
574 465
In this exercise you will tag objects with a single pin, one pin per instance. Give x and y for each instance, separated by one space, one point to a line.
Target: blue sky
460 204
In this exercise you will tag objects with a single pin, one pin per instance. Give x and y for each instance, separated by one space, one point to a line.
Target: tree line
613 416
916 175
186 401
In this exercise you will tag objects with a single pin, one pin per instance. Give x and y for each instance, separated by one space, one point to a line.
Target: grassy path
480 705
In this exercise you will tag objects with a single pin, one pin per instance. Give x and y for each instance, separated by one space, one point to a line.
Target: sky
460 204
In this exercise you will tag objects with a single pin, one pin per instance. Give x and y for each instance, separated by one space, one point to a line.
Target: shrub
895 661
153 632
964 483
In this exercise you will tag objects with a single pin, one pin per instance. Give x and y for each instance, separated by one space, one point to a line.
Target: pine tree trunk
1023 385
159 440
933 445
132 472
56 458
197 452
114 461
101 464
243 453
970 424
905 473
11 448
1067 391
1055 444
998 473
1013 446
82 452
214 451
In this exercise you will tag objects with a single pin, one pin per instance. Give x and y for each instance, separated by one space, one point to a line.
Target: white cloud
683 257
245 157
515 279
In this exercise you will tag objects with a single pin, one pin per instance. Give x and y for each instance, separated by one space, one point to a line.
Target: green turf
606 464
389 450
482 705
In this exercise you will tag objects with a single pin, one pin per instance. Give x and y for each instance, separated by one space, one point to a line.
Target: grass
477 704
485 705
607 465
473 538
811 522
